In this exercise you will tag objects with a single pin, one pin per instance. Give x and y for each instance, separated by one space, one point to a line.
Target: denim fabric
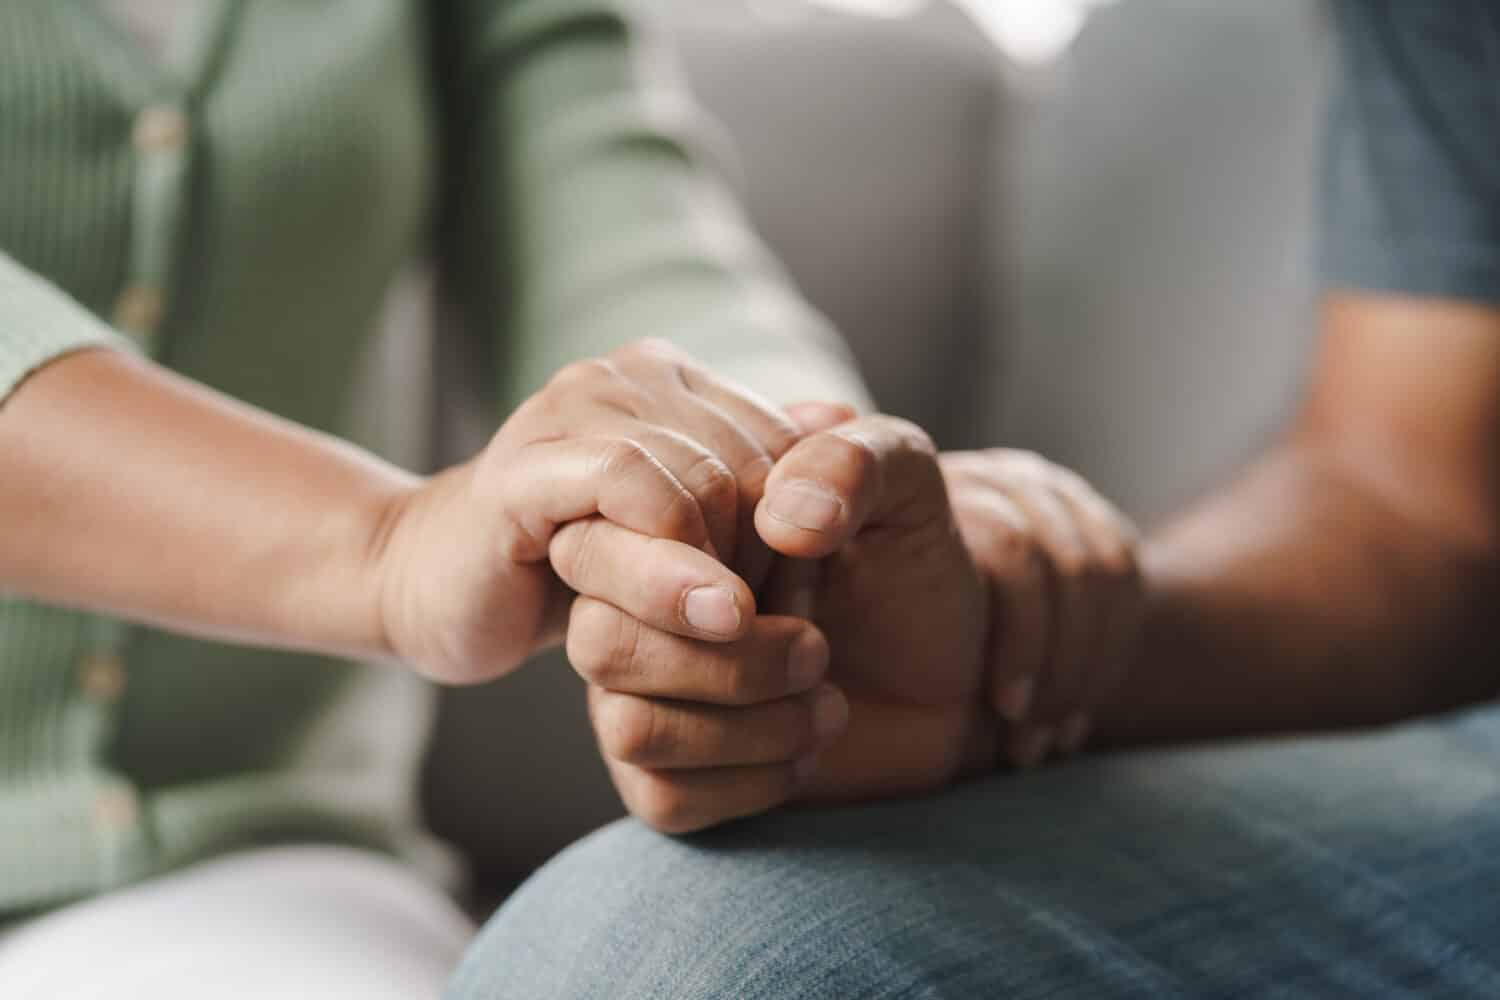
1361 866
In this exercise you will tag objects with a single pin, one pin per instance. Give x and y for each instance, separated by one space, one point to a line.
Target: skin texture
1066 594
624 480
874 553
1351 576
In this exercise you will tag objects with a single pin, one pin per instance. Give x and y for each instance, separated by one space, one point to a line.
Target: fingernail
805 505
830 713
1014 700
1034 747
806 662
1074 733
711 609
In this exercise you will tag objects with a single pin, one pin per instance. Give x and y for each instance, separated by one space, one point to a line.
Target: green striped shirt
238 212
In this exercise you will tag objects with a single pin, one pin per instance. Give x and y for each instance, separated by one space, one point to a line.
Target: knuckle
1071 562
517 542
781 435
1118 561
716 487
1068 481
682 519
577 374
912 435
1011 548
629 728
665 806
574 551
603 644
537 411
653 349
1022 464
625 456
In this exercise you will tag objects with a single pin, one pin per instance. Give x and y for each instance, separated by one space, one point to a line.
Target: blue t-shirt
1412 164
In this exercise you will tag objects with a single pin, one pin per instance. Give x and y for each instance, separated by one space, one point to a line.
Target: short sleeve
1411 188
38 323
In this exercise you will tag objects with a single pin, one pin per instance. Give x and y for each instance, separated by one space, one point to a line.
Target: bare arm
128 489
1352 576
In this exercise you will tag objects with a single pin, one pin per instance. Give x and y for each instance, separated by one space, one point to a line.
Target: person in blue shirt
1348 579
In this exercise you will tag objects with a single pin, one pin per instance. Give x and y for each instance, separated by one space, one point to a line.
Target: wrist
336 601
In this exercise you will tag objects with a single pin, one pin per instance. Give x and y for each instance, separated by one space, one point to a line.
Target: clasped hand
765 607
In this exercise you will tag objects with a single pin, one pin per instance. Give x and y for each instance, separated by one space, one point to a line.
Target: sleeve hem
17 366
39 323
1465 273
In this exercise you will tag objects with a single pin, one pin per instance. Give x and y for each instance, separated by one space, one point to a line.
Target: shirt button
139 310
101 677
116 808
161 128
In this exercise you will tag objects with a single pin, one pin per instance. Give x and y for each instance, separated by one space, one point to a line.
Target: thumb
875 470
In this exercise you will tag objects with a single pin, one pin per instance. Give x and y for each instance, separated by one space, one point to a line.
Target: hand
695 734
899 598
630 481
1066 592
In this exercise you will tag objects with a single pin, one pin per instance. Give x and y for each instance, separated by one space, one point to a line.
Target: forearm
1301 598
126 489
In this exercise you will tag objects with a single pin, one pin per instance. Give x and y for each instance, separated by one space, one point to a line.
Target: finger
695 467
999 536
768 423
703 474
1114 582
664 583
550 483
611 650
812 417
677 735
746 454
1072 608
685 801
877 470
661 364
776 433
686 398
592 384
869 762
746 432
611 415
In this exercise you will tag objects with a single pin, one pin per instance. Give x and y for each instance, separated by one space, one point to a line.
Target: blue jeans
1360 866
